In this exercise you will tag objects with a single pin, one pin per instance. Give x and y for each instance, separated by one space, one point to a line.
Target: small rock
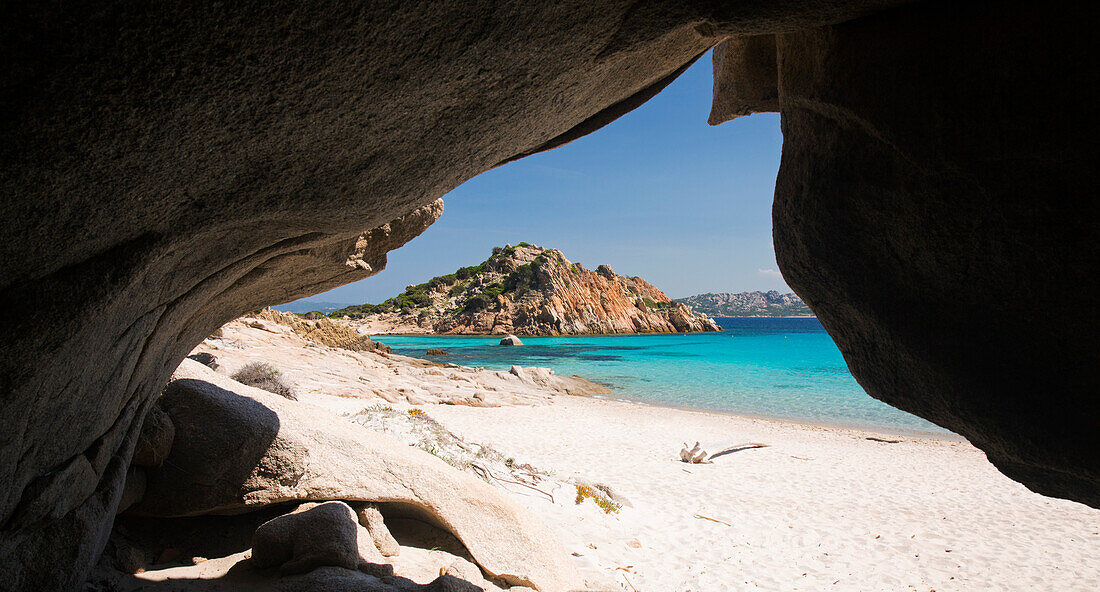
206 359
168 555
436 352
371 518
511 340
450 584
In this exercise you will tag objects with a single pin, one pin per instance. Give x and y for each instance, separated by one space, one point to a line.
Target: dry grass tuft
265 376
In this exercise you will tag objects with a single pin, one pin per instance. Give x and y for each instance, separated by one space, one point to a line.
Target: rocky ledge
529 290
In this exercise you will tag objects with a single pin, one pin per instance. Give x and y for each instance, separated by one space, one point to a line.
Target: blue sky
658 193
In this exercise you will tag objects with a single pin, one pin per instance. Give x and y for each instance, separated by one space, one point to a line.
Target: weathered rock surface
931 208
155 439
171 166
239 449
321 331
529 290
311 368
371 519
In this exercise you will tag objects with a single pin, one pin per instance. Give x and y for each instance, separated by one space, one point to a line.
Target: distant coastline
747 304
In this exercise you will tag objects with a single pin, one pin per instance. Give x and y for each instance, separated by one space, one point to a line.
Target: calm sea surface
777 367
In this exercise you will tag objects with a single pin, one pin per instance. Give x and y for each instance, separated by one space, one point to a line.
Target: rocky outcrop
169 167
312 369
510 340
239 449
747 304
931 209
322 331
529 290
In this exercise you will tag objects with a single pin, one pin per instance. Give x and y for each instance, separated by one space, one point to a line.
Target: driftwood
693 456
698 456
713 519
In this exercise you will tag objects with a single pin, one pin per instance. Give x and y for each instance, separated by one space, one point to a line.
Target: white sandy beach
818 508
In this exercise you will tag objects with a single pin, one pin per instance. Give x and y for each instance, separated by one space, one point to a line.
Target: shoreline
426 333
870 429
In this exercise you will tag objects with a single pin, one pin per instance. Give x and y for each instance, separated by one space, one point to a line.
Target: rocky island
748 304
529 290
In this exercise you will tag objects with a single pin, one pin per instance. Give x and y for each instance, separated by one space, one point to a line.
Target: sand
820 508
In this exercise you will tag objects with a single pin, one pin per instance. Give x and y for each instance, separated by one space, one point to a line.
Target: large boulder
239 448
312 536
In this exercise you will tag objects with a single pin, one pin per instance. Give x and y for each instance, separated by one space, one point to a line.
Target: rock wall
167 167
935 207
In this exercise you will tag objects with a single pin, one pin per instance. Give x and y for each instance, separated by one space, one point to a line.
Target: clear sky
658 194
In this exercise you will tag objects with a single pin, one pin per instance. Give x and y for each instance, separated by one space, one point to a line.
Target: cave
168 167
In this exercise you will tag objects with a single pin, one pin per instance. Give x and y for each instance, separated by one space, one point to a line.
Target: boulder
206 359
511 340
239 448
311 536
155 439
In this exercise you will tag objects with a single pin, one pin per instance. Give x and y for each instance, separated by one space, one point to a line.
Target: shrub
585 492
441 280
476 303
457 289
264 376
415 411
468 272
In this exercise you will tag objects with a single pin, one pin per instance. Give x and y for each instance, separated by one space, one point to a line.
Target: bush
584 492
476 303
264 376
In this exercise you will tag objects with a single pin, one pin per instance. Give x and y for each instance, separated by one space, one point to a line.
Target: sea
786 368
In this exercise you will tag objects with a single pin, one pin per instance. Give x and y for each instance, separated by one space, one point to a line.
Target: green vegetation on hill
464 285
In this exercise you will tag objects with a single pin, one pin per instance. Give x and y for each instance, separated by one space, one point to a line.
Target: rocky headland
748 304
529 290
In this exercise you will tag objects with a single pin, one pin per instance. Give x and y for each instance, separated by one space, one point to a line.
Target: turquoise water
778 367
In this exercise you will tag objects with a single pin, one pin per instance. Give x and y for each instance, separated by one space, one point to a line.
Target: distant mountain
748 304
529 290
